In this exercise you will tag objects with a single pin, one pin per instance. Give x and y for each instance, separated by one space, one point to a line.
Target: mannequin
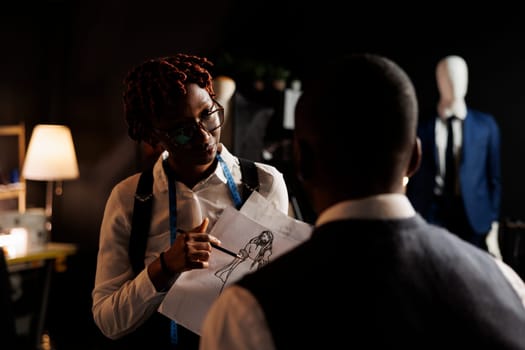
224 87
471 210
452 83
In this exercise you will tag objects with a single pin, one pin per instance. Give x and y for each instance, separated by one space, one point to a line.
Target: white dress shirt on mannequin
452 81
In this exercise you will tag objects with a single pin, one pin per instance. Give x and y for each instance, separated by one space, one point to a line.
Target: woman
169 103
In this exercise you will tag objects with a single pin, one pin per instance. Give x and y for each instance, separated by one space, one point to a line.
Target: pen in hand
224 250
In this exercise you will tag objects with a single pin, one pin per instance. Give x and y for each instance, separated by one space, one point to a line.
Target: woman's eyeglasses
182 133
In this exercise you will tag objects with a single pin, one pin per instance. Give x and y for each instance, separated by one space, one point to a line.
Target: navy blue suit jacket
479 170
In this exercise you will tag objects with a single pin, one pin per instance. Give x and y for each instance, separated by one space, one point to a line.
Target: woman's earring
405 181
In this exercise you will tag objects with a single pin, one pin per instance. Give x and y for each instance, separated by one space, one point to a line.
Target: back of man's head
357 119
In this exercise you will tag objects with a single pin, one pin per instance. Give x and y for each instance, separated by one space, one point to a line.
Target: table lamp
51 157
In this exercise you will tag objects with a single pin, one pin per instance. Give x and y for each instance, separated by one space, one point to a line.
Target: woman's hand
191 250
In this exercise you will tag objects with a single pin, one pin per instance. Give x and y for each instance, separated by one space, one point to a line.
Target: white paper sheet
259 232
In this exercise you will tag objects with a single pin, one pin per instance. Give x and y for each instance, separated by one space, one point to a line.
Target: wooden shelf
16 190
11 190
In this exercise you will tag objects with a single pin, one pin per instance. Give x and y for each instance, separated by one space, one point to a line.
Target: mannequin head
452 81
224 87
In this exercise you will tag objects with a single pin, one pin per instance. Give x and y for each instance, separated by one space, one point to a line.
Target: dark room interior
63 63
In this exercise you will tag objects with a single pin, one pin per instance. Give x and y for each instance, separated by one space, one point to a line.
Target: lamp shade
51 154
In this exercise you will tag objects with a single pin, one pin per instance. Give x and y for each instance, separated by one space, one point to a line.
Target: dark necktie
450 162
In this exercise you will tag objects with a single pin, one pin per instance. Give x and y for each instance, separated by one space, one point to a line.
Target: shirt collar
457 108
444 119
162 182
380 207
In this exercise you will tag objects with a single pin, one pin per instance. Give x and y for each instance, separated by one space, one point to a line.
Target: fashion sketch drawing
256 253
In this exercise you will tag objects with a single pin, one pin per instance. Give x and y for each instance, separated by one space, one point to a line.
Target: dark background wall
63 62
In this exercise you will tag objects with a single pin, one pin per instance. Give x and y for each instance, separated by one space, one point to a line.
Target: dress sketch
256 252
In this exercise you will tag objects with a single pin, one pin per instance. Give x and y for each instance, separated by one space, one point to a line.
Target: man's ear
415 158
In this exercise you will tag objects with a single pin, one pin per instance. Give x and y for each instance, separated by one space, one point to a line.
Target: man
374 272
471 207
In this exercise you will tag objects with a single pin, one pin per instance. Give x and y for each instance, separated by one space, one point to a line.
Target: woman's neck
190 176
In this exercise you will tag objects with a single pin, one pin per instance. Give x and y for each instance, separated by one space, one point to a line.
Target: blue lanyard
231 184
172 193
173 213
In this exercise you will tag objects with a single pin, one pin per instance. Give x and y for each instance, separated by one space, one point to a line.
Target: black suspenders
143 205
